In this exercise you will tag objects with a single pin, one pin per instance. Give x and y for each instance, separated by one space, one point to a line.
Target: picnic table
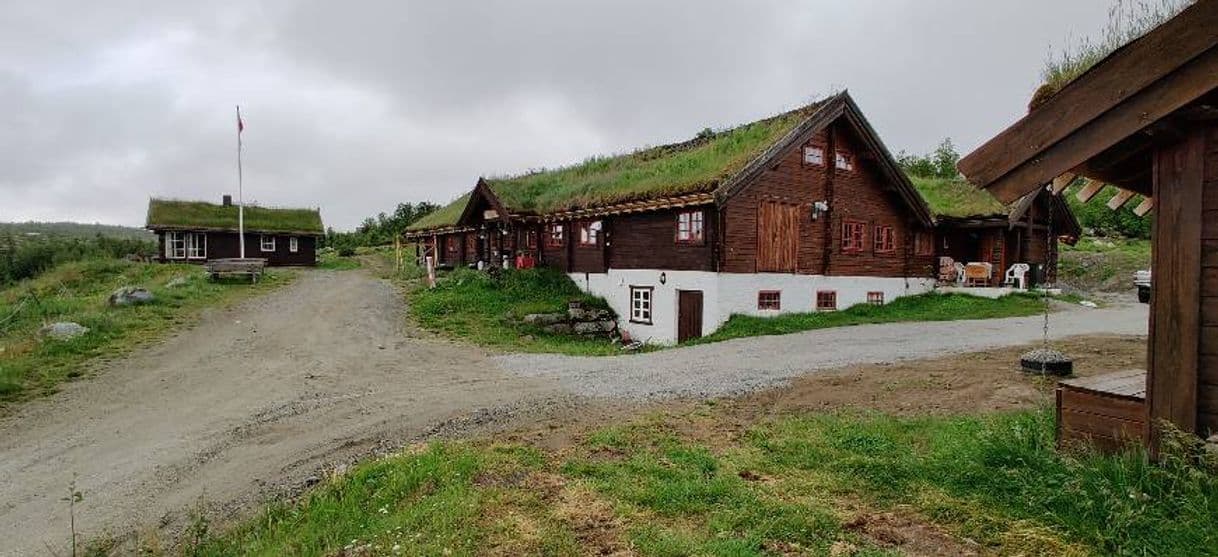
248 267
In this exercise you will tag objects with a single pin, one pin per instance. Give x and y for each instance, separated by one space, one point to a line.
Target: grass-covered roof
201 215
955 198
695 166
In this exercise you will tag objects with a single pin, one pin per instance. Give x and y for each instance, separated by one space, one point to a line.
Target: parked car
1141 279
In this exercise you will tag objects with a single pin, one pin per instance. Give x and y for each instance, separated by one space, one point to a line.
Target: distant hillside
73 230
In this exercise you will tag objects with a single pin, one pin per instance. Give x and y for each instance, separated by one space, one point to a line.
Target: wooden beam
1061 182
1089 189
1151 105
1117 78
1144 207
1120 199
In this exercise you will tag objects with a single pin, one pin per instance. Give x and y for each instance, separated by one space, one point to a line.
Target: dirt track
257 398
250 398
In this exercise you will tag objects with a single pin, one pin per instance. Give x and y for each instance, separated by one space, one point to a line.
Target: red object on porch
524 261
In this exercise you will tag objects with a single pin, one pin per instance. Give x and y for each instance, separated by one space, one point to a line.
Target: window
689 227
884 240
844 161
826 300
530 239
589 232
924 243
814 155
554 236
268 243
874 298
640 304
450 243
294 244
175 245
196 245
854 235
769 299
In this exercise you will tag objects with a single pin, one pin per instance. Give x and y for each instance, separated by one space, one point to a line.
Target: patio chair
1017 276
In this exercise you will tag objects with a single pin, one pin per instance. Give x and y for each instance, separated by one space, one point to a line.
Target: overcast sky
356 106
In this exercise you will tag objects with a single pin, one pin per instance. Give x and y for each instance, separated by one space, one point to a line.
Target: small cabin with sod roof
1145 120
198 231
804 211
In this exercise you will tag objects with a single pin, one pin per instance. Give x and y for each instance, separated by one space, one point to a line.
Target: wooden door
777 236
689 314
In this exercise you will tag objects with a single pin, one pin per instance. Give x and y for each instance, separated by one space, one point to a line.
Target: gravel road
256 398
249 400
741 365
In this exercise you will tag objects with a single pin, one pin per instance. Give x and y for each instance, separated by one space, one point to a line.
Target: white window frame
844 161
196 245
814 155
293 244
262 240
642 302
589 234
175 245
691 227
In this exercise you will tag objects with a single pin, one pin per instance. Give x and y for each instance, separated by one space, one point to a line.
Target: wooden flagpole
240 193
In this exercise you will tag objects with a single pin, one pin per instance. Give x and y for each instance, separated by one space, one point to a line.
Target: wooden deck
1107 410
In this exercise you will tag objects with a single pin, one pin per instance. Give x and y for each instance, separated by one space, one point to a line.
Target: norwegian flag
240 123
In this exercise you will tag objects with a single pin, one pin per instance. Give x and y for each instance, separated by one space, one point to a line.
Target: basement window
814 155
640 304
769 299
554 236
875 298
885 241
690 228
268 243
826 300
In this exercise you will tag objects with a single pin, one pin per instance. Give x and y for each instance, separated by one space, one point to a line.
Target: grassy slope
788 485
924 307
956 198
78 292
1103 263
475 307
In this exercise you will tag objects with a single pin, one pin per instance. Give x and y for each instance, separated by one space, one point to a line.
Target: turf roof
955 198
201 215
695 166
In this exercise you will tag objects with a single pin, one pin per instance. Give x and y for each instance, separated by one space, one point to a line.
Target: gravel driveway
740 365
258 397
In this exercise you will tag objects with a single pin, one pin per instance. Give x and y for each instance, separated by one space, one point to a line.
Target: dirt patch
908 533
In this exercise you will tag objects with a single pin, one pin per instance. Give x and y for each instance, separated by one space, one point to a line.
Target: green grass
329 259
956 198
923 307
201 214
477 307
77 292
1105 264
788 484
696 166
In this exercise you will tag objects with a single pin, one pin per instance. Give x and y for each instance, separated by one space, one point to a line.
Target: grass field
923 307
789 485
1104 264
77 292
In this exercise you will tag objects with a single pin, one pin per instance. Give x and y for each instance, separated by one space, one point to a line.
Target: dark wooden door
777 236
689 314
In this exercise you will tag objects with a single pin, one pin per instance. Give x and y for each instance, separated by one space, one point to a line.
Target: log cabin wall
858 195
1207 389
649 241
221 245
586 258
554 252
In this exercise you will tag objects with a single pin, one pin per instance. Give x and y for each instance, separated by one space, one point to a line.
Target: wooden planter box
1107 411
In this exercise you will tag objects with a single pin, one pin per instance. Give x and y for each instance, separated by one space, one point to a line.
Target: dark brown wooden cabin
1145 120
197 231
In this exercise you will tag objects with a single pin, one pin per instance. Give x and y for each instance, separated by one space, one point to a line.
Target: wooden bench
248 267
1107 411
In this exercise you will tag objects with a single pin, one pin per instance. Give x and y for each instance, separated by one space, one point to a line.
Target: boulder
577 313
559 328
63 330
545 318
593 327
177 282
131 295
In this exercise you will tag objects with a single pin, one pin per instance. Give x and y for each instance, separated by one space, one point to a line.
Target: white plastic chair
1017 276
959 273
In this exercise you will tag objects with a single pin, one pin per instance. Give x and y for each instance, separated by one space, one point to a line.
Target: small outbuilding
1145 120
198 231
